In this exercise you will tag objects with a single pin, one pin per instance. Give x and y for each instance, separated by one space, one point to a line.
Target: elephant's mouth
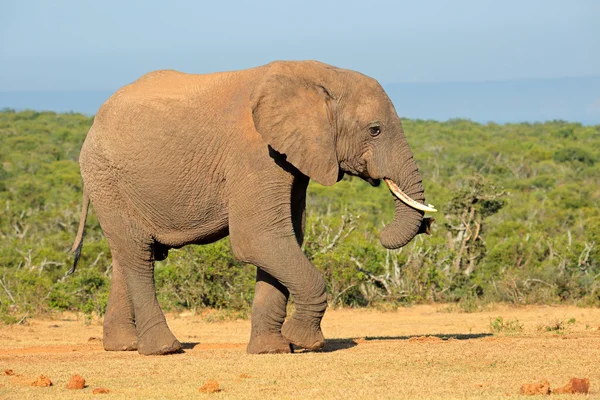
403 197
373 182
395 189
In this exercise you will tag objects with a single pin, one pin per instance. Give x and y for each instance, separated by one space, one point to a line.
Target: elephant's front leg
277 253
268 314
270 296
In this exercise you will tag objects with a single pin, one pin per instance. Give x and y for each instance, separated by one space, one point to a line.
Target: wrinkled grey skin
175 159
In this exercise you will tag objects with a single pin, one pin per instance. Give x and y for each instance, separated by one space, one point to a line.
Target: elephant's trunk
408 188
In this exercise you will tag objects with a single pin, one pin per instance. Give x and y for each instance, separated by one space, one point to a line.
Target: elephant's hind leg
119 333
268 314
133 254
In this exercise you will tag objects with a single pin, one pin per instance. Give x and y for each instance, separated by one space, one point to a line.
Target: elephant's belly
193 231
202 236
178 207
177 216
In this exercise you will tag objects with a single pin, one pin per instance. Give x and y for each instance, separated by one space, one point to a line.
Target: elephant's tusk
407 200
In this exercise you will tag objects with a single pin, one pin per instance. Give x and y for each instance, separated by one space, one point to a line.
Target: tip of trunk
405 226
391 240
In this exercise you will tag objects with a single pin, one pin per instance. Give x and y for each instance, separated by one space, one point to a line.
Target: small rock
53 326
530 389
210 386
575 385
245 376
76 382
100 390
42 381
8 372
94 339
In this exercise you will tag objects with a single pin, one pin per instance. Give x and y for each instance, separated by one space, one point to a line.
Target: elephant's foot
307 335
158 340
119 337
268 343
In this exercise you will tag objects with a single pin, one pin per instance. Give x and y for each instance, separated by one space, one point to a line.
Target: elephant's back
167 91
171 105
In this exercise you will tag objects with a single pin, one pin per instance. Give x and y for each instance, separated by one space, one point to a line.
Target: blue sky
102 45
66 45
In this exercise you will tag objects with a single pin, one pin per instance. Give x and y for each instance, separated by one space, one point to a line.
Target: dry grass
370 354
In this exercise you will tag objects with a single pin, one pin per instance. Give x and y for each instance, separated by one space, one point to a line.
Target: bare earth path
369 354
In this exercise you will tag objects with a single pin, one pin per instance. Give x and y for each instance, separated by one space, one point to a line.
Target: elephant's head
329 121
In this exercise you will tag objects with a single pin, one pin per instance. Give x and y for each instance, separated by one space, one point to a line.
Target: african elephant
175 159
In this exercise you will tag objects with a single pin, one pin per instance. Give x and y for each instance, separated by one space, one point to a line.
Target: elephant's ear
296 117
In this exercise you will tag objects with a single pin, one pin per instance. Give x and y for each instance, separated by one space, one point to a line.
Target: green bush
578 154
205 276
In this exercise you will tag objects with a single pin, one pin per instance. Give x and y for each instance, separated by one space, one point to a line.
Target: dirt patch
245 376
76 382
20 380
575 385
48 349
532 389
100 390
42 381
218 346
425 339
210 386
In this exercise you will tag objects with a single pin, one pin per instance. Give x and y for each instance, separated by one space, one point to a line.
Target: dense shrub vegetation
519 221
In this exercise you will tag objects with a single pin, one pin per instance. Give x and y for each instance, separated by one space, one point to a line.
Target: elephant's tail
80 232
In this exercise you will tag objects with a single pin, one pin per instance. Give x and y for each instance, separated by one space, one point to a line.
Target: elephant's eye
375 130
